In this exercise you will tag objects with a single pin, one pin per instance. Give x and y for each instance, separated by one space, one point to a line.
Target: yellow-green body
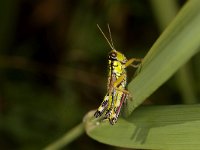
116 93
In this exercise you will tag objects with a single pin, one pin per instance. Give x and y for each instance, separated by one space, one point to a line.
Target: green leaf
158 127
152 127
178 43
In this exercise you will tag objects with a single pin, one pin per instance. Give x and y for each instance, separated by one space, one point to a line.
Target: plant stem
67 138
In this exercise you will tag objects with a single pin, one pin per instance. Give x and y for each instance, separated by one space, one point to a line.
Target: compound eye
112 55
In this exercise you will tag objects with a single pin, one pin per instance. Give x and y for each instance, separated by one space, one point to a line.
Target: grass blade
153 127
178 43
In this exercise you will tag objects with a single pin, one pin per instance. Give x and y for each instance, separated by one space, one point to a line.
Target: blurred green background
53 65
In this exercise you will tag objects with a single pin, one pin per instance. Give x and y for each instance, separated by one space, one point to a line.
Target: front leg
131 61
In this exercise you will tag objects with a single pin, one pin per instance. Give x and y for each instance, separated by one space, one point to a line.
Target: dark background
53 65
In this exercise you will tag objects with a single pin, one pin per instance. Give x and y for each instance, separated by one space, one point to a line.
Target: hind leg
102 107
120 100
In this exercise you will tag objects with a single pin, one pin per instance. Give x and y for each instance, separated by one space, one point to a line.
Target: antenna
110 36
111 45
